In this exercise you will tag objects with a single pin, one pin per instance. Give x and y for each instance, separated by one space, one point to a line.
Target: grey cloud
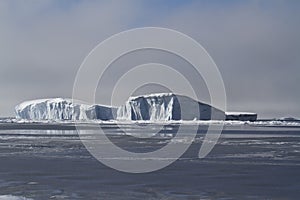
43 45
255 47
255 44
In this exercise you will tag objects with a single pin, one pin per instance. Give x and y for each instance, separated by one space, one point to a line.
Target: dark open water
247 163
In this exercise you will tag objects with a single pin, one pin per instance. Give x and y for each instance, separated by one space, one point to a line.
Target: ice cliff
167 106
62 109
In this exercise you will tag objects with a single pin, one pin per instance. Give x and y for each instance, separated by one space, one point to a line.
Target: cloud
43 44
255 46
254 43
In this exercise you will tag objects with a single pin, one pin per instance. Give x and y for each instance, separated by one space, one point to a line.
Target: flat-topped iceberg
241 116
167 106
153 107
62 109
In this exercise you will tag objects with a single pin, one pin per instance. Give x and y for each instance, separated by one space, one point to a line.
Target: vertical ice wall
167 106
62 109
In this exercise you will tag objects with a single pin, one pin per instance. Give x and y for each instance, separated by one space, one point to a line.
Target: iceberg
167 106
288 119
241 116
62 109
153 107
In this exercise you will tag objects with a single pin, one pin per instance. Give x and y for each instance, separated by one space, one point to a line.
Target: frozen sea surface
250 161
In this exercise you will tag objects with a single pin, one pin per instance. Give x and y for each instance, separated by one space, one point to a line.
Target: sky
255 45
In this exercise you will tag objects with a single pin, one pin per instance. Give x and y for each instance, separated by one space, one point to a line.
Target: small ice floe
32 183
11 197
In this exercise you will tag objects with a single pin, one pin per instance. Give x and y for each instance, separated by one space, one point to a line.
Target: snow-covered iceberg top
154 95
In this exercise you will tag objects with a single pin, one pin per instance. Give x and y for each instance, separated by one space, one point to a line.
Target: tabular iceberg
154 107
62 109
241 116
167 106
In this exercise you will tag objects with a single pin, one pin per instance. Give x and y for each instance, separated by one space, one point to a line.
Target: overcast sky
255 44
